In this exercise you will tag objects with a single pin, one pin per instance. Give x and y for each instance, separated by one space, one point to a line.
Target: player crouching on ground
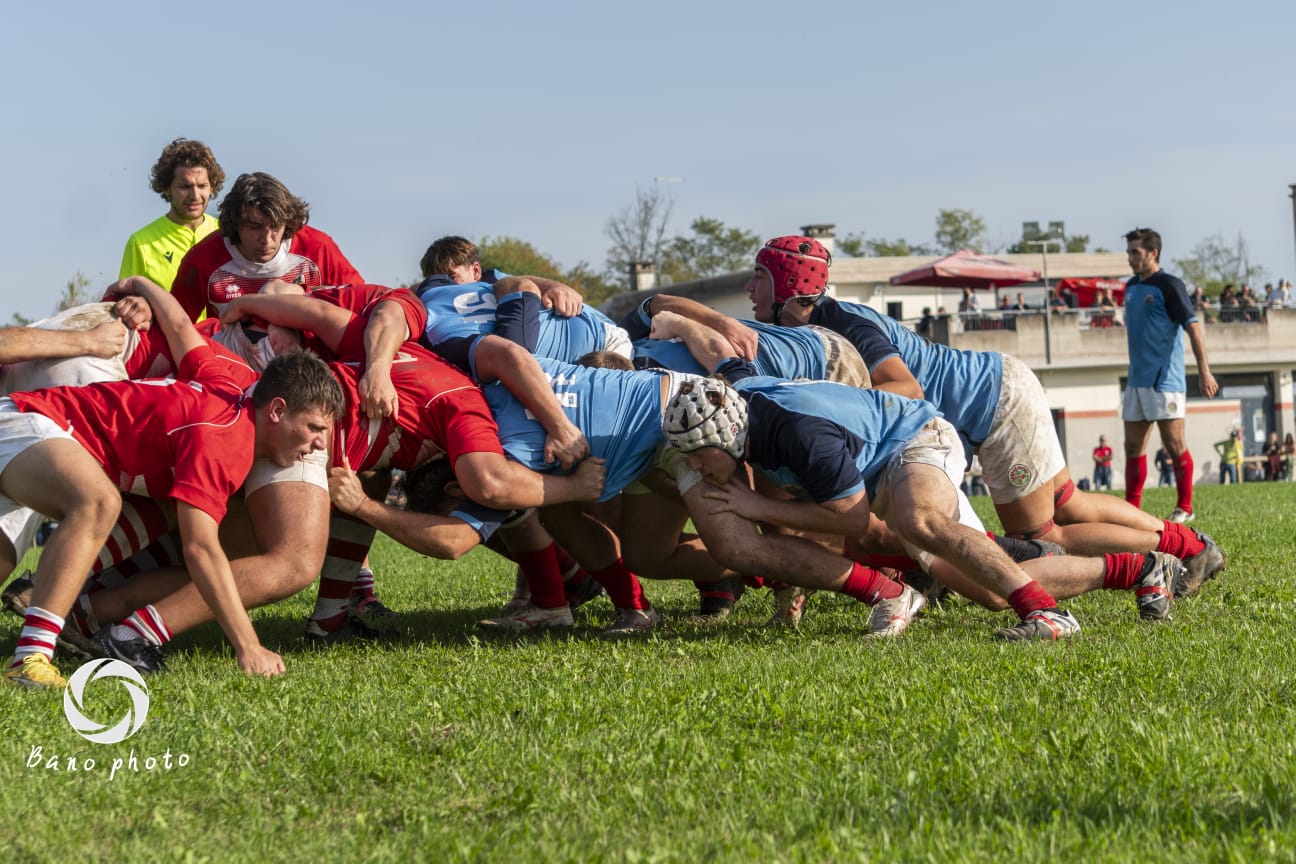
851 451
191 439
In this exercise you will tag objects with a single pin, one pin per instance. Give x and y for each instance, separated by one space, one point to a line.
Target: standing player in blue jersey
1157 314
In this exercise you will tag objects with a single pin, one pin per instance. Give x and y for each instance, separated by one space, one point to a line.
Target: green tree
959 229
710 250
520 258
858 246
595 287
897 248
75 293
516 257
1214 263
852 245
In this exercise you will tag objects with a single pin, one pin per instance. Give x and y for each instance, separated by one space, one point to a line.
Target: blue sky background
401 122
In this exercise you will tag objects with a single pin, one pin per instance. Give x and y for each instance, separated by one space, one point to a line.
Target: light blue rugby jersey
880 423
1156 311
457 311
618 412
963 385
782 352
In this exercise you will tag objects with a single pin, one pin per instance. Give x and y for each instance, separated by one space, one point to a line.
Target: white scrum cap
706 412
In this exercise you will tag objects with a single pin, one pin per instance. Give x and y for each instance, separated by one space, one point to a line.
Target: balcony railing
1096 336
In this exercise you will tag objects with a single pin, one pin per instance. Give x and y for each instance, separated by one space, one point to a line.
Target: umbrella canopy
967 269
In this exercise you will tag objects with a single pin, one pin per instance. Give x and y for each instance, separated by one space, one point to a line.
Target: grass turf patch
1131 742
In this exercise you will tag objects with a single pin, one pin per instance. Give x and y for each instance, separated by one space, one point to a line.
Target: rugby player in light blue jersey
539 314
993 400
787 352
1158 313
621 415
843 453
545 317
837 446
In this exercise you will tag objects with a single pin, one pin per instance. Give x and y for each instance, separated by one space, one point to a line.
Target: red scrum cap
797 265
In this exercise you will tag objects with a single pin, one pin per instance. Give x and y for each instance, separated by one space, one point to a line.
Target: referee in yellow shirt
187 176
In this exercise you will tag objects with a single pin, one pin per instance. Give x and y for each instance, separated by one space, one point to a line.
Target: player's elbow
459 543
447 543
486 480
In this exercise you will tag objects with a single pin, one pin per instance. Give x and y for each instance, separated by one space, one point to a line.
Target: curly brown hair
446 254
260 191
183 153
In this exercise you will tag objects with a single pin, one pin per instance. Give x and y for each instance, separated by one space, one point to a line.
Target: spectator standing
1102 472
924 327
1229 305
1230 453
1201 304
1273 457
1249 305
1274 295
1165 466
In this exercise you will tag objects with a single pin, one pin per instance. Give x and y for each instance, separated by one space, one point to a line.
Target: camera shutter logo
92 730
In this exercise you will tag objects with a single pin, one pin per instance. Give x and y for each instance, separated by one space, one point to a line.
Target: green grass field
1131 742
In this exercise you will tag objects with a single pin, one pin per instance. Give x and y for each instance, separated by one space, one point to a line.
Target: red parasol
967 269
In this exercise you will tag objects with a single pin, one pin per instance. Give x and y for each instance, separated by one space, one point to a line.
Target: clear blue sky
401 122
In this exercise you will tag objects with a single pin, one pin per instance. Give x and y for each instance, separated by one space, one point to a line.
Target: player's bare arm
743 339
708 347
210 571
443 537
517 369
168 314
848 516
494 481
1206 381
386 331
18 344
893 376
297 312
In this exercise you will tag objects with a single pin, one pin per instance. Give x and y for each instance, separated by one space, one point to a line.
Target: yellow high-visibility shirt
156 249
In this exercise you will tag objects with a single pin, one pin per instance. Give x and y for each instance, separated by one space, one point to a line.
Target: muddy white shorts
937 444
1022 452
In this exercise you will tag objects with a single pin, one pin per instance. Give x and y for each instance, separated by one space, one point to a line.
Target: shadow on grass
282 631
